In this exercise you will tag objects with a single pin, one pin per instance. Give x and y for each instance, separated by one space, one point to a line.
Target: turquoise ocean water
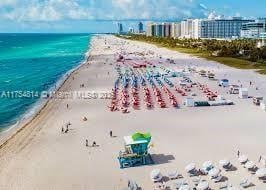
34 63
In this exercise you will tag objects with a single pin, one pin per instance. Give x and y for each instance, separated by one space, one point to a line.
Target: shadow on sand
162 158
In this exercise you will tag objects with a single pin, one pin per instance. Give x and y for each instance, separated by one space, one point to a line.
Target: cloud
5 3
48 10
56 10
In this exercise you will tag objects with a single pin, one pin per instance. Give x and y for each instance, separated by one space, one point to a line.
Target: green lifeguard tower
136 151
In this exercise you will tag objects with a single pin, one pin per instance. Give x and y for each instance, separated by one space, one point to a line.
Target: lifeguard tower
136 151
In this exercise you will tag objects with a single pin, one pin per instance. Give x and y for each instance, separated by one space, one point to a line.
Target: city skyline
102 16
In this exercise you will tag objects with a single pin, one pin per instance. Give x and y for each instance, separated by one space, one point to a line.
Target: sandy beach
40 156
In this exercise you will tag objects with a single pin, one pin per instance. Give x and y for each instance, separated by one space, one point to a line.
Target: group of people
261 158
94 144
65 130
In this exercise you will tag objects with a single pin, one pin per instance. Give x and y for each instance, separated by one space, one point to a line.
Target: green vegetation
241 53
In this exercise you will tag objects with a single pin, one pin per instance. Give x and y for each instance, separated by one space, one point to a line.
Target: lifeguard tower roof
137 138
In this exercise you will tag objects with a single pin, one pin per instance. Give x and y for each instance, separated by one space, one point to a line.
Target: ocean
32 63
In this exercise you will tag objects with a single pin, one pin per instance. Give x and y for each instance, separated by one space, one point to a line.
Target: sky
79 16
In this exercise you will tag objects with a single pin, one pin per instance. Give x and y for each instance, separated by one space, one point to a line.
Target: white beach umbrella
184 187
232 188
261 172
207 164
173 174
243 158
214 172
156 175
249 165
190 167
224 162
203 185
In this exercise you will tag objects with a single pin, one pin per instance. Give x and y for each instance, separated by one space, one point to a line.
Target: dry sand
40 157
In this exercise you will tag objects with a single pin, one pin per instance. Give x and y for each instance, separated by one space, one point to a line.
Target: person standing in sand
87 143
111 134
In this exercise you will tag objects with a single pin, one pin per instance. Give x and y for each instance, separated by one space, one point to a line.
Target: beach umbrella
207 164
190 167
243 159
203 185
173 174
224 162
232 188
214 172
184 187
261 172
249 165
156 175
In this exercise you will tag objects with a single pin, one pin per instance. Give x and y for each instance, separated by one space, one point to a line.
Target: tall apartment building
253 29
140 27
119 28
159 29
176 30
196 32
186 28
221 28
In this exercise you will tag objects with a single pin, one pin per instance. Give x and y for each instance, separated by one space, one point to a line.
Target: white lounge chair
245 183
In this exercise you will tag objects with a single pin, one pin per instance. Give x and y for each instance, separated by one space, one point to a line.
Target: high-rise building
176 30
159 29
253 29
186 28
150 29
131 30
221 28
167 27
119 28
196 29
140 27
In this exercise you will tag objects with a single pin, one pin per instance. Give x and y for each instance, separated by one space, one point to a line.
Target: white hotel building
211 28
253 29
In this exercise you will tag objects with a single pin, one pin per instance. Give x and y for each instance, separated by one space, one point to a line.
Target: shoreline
10 131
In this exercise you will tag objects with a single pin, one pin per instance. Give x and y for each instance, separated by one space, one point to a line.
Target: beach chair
217 179
245 183
224 185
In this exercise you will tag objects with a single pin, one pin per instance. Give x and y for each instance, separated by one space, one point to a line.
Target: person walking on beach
260 159
62 130
67 106
87 143
111 134
94 144
238 153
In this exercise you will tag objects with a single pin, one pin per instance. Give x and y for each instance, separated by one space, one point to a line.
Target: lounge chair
245 183
178 184
224 185
217 179
196 180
